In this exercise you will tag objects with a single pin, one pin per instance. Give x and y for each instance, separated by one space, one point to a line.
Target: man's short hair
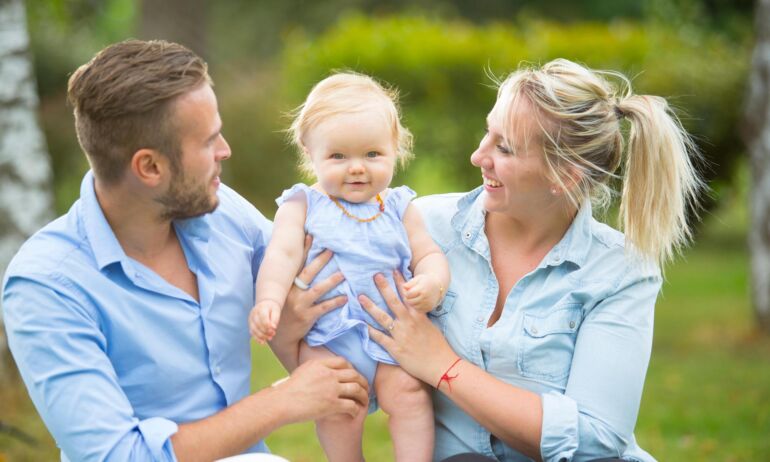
123 102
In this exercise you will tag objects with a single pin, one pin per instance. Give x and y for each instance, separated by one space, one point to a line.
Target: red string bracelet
448 378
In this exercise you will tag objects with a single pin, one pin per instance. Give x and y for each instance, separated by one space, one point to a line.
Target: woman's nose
479 158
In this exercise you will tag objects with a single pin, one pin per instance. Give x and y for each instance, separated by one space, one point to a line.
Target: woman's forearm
510 413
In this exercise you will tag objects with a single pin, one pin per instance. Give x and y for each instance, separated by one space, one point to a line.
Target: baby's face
353 155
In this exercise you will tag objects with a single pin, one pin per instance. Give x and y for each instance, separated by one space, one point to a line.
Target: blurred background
707 395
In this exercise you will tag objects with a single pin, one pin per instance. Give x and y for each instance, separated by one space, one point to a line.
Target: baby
351 138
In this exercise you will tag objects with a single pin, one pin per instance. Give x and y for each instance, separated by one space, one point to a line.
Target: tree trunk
758 140
180 21
25 170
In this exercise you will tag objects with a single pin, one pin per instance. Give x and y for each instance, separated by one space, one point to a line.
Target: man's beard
186 198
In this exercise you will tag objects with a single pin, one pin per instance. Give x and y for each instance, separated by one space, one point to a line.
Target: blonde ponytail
584 145
659 181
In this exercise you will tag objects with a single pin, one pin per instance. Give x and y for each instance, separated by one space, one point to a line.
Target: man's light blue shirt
577 330
114 356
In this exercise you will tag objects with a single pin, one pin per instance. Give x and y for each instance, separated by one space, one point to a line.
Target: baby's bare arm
283 257
429 265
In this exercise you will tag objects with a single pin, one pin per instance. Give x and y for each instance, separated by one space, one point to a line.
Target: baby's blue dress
361 250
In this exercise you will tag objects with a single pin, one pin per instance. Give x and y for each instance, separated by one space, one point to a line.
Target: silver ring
300 284
391 325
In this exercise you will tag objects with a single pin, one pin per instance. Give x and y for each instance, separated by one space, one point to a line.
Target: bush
440 68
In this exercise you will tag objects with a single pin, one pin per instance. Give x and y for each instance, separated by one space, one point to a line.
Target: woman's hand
414 341
301 310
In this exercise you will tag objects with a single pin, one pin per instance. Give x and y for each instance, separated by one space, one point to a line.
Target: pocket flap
564 320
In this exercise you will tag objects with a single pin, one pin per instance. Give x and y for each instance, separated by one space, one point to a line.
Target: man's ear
150 167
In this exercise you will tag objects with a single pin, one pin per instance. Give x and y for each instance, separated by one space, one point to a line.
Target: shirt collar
468 221
105 246
573 247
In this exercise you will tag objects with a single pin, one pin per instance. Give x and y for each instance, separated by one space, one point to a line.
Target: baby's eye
372 154
337 156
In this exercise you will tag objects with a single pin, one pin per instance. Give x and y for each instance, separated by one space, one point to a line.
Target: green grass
707 395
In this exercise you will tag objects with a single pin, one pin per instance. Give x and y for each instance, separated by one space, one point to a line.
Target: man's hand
263 320
423 292
322 387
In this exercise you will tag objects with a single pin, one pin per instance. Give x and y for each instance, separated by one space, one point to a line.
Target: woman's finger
391 298
382 318
384 340
398 278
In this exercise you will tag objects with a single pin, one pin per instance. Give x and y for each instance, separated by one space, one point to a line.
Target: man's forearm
232 430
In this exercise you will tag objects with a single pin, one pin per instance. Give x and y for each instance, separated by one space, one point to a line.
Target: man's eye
372 154
337 156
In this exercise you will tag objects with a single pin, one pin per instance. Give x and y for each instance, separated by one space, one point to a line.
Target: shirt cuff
559 435
157 432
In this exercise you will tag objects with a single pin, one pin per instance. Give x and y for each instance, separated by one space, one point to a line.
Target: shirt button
572 324
534 330
217 370
467 235
480 319
439 308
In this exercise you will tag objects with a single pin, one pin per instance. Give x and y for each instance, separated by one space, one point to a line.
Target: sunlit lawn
707 395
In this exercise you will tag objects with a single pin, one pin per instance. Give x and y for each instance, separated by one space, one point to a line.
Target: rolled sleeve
559 437
60 353
596 415
157 433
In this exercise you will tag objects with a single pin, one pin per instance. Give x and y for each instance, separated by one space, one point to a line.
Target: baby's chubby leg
340 435
407 402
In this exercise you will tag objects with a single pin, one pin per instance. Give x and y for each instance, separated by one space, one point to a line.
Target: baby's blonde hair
348 93
580 113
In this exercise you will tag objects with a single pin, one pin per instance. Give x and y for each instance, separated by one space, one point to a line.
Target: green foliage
441 66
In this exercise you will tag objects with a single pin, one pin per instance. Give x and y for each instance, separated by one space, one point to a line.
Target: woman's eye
337 156
372 154
503 148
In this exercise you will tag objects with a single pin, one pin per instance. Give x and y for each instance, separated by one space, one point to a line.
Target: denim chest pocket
439 314
548 342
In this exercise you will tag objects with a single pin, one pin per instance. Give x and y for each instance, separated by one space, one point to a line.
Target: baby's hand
263 320
423 292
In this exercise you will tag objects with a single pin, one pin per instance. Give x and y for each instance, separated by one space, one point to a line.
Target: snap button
534 330
467 235
217 370
480 319
439 308
572 324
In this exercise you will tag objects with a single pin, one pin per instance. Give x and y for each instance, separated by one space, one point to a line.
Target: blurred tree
758 140
25 172
181 21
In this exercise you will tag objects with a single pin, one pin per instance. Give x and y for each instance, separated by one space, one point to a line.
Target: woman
547 324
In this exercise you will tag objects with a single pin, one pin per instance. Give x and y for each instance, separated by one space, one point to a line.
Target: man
127 316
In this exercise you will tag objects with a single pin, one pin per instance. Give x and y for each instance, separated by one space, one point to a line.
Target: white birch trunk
25 170
758 141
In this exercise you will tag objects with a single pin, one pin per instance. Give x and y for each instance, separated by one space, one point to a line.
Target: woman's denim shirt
577 330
